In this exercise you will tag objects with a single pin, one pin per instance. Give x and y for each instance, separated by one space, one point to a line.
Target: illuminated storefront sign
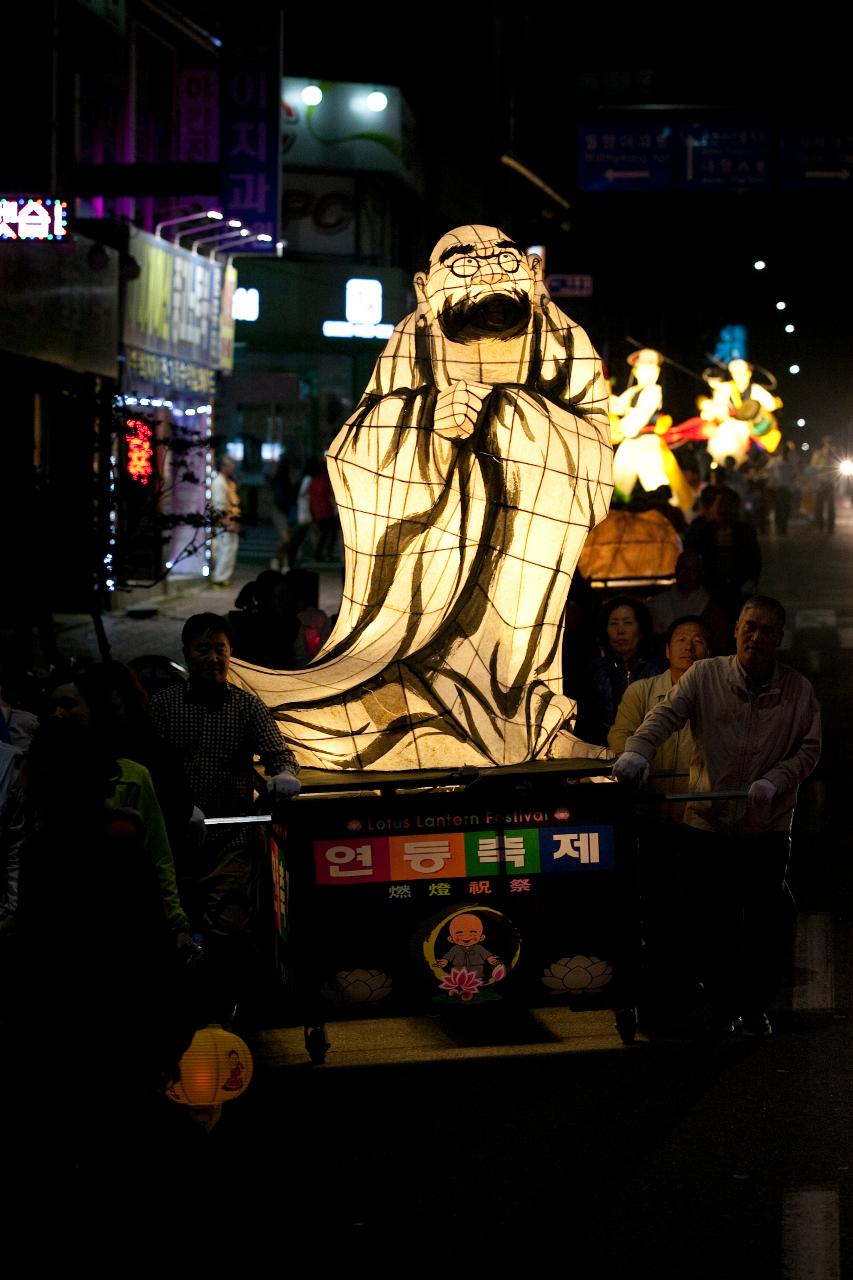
147 372
173 306
363 309
140 450
246 304
344 126
30 218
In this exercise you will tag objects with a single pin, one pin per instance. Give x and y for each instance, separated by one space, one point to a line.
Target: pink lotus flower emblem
498 972
461 982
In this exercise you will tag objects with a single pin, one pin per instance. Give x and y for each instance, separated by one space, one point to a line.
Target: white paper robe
459 555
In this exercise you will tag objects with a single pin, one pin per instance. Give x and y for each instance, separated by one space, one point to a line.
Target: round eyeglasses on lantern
468 265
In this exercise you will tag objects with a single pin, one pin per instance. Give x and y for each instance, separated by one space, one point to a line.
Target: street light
226 229
213 214
264 239
222 236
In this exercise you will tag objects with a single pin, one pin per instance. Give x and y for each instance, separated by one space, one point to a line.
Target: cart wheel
626 1025
316 1044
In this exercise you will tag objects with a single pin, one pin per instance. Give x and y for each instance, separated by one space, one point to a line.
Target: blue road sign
577 286
723 157
817 160
625 157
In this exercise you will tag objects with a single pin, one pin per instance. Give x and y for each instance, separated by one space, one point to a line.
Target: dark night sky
670 269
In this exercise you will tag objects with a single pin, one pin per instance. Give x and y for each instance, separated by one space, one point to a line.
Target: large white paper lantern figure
466 481
637 426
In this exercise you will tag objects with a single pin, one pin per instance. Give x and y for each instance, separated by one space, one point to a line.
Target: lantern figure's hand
458 408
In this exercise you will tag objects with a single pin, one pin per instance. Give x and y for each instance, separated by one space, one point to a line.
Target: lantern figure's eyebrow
459 249
454 250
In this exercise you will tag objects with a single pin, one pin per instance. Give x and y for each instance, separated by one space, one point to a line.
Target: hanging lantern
215 1068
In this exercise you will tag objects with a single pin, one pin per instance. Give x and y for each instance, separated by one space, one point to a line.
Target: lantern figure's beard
494 315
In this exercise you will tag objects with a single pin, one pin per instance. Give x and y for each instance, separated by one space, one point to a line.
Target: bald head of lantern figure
480 284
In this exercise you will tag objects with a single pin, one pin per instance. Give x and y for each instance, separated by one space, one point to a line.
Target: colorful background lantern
638 427
215 1068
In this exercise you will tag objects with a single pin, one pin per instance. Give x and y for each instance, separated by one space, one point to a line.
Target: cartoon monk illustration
467 952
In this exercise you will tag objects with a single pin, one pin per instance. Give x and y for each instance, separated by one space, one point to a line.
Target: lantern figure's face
480 284
741 373
646 372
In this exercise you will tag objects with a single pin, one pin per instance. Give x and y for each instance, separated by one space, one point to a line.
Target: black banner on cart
461 898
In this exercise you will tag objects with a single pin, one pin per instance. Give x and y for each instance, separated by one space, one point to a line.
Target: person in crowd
303 593
17 724
780 482
225 500
732 476
218 729
95 1004
689 595
107 698
283 500
155 672
730 553
626 654
688 640
702 506
580 639
264 624
324 513
823 477
756 729
276 621
11 835
304 519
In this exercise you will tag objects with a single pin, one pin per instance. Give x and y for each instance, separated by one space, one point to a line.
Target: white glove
760 793
631 767
284 784
197 818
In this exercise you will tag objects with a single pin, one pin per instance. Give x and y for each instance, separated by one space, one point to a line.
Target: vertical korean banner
250 128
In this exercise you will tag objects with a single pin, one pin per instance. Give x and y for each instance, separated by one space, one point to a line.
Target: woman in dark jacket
626 638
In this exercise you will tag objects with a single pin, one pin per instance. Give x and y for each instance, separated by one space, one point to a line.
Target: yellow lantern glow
215 1068
630 544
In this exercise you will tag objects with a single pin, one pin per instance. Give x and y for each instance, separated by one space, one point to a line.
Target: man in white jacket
225 499
756 728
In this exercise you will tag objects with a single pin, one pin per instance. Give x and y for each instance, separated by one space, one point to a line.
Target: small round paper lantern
215 1068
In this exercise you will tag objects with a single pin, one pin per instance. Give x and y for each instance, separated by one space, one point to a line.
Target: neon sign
30 218
246 304
363 312
140 450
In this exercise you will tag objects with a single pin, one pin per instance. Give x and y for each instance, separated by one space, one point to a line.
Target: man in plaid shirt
218 730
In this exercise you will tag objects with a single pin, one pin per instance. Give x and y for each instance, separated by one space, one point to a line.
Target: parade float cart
448 890
453 851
